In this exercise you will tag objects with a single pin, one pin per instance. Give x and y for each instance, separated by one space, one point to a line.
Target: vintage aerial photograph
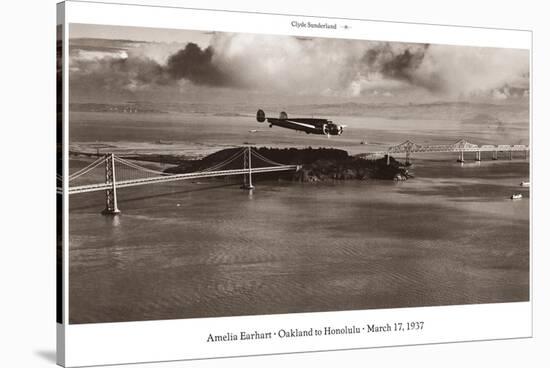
226 174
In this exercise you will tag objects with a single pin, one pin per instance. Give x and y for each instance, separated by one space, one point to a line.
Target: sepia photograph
216 174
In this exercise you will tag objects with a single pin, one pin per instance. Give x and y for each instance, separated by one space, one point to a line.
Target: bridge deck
448 149
176 177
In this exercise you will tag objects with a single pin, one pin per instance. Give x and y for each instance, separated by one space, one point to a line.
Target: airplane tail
260 116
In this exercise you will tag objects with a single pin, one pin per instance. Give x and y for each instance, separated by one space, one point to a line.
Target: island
316 164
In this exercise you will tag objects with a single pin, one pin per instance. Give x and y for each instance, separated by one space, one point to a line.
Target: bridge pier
111 206
247 178
460 157
388 159
495 155
478 156
408 160
511 155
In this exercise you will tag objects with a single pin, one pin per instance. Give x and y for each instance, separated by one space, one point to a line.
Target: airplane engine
260 116
283 115
333 129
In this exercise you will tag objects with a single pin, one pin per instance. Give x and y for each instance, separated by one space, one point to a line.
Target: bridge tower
247 178
111 207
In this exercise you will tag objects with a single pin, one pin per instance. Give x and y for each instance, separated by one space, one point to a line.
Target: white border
153 341
61 341
93 344
262 23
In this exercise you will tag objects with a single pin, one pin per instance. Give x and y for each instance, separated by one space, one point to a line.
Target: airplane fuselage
308 125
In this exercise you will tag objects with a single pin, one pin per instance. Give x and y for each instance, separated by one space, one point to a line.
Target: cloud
196 65
395 61
116 74
305 66
472 70
287 64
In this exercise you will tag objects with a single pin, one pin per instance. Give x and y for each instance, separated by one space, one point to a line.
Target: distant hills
126 108
467 112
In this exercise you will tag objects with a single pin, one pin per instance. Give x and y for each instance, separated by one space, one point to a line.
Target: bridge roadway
460 146
176 177
447 148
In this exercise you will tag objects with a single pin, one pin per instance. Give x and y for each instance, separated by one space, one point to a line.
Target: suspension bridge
118 173
461 147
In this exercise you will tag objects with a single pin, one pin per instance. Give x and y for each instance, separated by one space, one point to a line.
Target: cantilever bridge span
122 173
408 148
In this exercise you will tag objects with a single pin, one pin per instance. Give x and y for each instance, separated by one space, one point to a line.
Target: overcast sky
179 65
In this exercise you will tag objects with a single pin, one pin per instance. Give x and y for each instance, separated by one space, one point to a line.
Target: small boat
525 183
516 196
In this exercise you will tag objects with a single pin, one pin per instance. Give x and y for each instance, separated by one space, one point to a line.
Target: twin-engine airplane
308 125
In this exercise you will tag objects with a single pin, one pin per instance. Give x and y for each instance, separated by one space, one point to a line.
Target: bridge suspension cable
225 162
121 173
265 159
140 168
86 169
126 166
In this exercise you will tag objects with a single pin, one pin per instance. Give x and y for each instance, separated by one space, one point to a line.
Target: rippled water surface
184 250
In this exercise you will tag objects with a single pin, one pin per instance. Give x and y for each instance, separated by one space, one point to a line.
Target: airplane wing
302 124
